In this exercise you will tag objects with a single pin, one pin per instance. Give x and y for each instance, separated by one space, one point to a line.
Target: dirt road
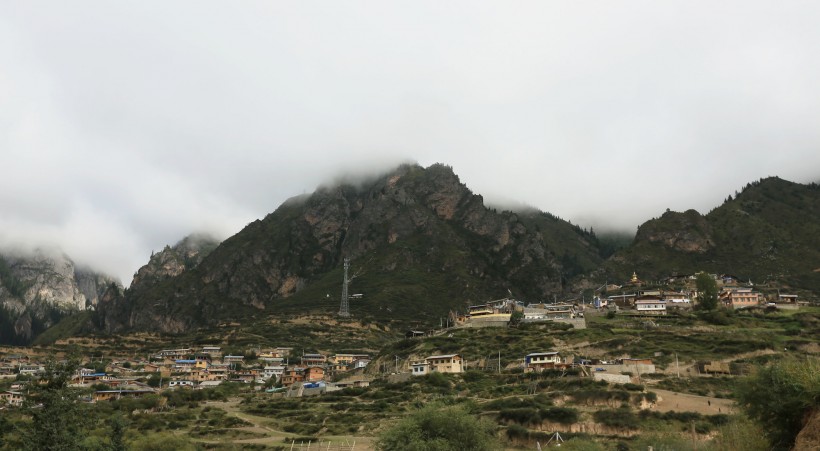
684 402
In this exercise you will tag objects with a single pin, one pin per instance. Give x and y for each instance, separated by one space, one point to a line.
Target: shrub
780 395
621 418
437 428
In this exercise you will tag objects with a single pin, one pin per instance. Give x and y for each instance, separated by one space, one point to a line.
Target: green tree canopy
437 428
780 396
58 421
707 291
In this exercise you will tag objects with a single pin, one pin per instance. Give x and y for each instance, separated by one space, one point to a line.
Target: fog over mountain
124 127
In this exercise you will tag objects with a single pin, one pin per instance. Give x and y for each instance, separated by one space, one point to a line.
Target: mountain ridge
406 224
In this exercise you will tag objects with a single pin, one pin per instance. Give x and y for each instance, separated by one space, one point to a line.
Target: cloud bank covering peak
124 127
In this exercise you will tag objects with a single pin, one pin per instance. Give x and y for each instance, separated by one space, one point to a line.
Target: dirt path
684 402
261 425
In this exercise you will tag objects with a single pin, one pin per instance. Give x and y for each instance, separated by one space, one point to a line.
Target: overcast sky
127 125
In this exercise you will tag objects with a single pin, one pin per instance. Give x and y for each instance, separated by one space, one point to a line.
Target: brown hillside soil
684 402
809 438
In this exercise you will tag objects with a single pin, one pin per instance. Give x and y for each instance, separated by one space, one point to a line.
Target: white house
419 368
651 306
275 371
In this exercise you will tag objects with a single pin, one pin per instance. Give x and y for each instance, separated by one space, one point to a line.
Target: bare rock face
38 287
173 261
116 312
687 232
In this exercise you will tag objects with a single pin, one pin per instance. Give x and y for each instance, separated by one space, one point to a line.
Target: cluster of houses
499 313
732 295
209 367
611 370
192 368
633 295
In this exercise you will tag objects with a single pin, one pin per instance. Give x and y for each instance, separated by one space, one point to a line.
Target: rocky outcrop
769 231
173 261
37 288
116 308
686 232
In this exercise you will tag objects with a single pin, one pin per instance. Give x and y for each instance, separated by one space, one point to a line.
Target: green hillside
769 233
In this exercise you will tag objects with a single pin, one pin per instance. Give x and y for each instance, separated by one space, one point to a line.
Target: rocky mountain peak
687 232
412 220
172 261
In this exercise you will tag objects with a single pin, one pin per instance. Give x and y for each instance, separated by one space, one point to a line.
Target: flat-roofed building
740 298
540 361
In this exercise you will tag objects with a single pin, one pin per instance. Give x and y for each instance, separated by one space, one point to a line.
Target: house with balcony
449 363
293 376
738 298
314 360
11 398
540 361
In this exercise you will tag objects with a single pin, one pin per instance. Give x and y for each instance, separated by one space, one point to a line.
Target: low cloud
125 127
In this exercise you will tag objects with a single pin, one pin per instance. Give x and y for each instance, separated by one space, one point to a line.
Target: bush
621 418
439 428
780 395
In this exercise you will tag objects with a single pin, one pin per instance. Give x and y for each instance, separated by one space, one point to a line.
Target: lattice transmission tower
344 309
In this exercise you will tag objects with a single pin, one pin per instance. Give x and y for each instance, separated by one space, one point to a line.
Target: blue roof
185 361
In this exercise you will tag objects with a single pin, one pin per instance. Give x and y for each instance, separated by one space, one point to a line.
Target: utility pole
499 362
677 367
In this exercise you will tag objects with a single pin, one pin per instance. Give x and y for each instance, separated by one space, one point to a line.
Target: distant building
677 299
314 360
347 359
540 361
314 374
213 351
293 376
175 354
738 298
233 358
548 312
787 298
11 398
650 305
108 395
449 363
275 372
622 301
414 334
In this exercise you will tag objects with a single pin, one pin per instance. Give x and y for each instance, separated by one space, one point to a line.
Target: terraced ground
525 408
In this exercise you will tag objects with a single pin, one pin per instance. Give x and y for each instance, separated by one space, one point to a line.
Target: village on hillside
294 374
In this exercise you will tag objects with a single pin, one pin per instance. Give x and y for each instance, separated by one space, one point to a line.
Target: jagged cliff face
37 288
115 309
173 261
425 242
685 232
